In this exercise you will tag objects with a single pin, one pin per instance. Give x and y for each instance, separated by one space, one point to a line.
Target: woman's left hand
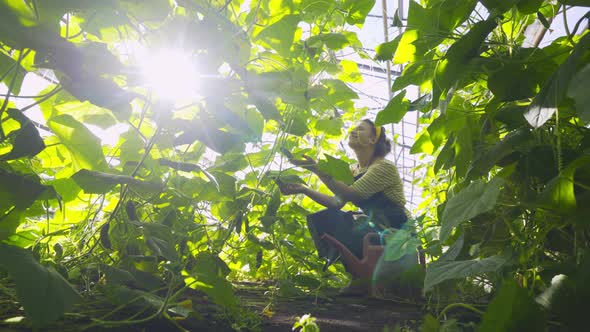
291 188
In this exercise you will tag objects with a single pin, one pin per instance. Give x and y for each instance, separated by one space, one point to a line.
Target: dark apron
379 213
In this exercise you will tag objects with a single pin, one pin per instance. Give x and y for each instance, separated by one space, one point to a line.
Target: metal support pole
387 63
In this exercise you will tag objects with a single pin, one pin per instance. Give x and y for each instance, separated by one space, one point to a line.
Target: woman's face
361 136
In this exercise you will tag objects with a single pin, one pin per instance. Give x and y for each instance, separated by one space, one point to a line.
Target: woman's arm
339 188
328 201
343 191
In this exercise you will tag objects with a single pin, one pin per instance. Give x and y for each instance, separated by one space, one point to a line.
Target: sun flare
171 75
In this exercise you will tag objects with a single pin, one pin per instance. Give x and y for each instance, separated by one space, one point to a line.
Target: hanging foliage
507 185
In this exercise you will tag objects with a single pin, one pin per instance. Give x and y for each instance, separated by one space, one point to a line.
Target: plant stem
566 27
138 321
458 305
21 56
43 98
586 16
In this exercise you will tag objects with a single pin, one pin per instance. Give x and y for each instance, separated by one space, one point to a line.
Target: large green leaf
87 113
385 51
512 116
555 89
78 74
349 71
453 66
427 27
418 73
394 111
230 162
19 9
160 240
559 192
439 129
409 48
26 141
9 222
419 19
85 148
273 204
8 63
529 6
115 276
357 10
122 295
98 60
15 19
509 143
286 176
21 190
280 34
513 82
332 92
226 185
332 127
44 293
297 124
94 182
454 251
423 144
446 156
66 188
336 168
567 295
438 272
188 167
51 11
463 149
146 11
578 90
101 92
499 5
226 117
401 243
211 272
333 41
439 16
430 324
104 24
313 9
265 106
475 199
575 2
513 309
216 139
290 85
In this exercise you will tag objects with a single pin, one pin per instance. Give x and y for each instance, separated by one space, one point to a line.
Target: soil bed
262 312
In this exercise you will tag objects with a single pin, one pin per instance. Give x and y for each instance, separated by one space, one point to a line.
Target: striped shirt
380 176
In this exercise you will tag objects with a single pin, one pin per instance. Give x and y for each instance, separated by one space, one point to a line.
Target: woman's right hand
291 188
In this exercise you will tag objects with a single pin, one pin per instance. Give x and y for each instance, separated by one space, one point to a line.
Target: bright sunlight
170 74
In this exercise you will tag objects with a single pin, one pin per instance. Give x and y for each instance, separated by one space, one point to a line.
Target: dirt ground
261 311
337 313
